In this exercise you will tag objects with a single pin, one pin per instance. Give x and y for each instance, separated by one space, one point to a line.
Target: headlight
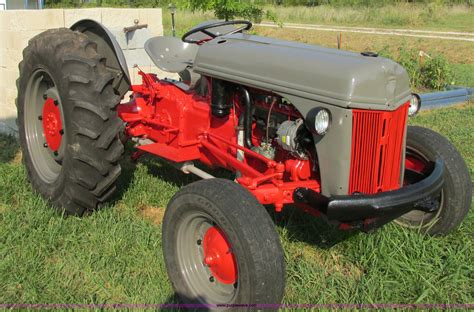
318 120
321 122
414 105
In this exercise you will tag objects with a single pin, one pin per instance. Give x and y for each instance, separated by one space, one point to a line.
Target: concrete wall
18 26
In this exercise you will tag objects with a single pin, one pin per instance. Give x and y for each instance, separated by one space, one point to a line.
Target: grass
114 255
464 74
429 16
400 15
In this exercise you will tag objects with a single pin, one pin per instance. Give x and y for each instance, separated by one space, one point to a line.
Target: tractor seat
172 55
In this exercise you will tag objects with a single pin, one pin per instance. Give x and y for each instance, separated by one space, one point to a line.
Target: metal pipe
173 28
240 153
247 120
444 98
172 9
134 27
188 167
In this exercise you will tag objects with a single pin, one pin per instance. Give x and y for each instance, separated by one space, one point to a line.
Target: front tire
220 246
67 121
424 146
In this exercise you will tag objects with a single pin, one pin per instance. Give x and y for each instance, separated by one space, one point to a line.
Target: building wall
18 26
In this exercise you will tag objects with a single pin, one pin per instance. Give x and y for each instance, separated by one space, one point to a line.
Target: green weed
425 70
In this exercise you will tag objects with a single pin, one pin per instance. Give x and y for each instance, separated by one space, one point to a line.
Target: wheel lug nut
211 279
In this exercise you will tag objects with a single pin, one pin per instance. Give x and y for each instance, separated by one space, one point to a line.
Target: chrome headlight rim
316 117
415 105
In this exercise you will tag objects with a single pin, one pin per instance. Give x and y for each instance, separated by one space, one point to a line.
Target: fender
107 46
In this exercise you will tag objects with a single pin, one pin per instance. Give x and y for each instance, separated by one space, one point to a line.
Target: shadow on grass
9 148
306 228
167 172
175 303
300 226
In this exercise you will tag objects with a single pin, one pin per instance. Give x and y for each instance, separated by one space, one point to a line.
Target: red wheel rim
52 124
218 256
415 163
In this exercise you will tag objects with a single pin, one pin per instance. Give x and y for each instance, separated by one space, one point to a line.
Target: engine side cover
326 75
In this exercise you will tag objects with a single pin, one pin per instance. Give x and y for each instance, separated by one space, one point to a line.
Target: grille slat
377 141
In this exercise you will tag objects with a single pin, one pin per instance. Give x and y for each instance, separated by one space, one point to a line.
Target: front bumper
371 211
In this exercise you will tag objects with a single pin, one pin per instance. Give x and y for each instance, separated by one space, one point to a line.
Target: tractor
297 126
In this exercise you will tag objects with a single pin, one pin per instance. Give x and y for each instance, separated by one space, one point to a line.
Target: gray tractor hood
330 76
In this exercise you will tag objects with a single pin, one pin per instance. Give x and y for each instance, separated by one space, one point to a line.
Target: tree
229 9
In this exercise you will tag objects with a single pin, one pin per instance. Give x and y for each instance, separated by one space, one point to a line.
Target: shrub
436 73
226 9
424 71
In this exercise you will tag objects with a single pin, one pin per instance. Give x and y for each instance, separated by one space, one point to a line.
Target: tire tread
92 126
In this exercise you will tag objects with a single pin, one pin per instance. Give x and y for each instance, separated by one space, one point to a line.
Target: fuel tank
335 77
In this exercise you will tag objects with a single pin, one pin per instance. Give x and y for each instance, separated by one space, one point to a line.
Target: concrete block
3 61
119 18
154 19
9 58
7 101
16 40
137 57
71 16
8 77
8 117
7 112
35 19
135 39
132 40
136 79
4 20
10 94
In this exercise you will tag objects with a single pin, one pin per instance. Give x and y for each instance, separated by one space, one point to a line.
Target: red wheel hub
415 164
218 256
52 124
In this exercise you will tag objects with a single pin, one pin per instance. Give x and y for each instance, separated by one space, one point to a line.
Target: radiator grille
376 157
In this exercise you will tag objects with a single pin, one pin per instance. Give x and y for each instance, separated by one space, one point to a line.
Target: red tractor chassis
182 129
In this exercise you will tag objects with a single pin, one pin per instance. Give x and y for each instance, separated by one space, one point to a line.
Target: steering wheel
246 25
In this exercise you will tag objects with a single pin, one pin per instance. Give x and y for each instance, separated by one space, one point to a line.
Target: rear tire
200 208
424 146
64 66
